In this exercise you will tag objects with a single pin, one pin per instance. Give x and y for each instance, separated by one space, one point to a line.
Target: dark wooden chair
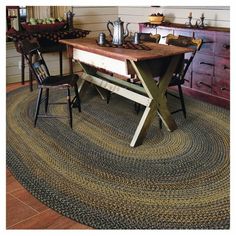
178 78
45 81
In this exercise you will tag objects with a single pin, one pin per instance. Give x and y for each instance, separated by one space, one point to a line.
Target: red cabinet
208 77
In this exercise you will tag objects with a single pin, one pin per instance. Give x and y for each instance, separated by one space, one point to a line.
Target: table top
157 50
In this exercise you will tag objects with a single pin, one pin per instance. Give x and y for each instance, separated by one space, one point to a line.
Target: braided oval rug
177 180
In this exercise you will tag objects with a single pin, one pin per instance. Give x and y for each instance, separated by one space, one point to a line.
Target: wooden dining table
146 61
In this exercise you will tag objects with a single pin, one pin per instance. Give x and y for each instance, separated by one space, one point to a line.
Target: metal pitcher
118 31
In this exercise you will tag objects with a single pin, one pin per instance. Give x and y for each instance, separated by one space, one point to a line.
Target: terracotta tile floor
23 211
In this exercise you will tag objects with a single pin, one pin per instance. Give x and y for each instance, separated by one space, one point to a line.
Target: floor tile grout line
15 189
23 188
12 194
24 203
27 218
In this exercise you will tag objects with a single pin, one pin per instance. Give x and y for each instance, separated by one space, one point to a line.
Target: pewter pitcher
118 31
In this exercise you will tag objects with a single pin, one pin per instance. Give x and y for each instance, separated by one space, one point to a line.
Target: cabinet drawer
203 64
222 67
188 33
148 30
202 82
208 42
221 87
222 46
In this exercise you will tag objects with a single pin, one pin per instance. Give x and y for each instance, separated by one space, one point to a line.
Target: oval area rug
177 180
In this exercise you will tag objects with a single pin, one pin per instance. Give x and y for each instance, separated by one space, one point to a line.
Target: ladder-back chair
178 78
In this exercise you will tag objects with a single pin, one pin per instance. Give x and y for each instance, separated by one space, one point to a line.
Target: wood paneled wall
214 16
94 18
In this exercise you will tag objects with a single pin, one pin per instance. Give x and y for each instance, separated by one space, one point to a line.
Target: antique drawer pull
224 89
226 67
207 42
207 85
205 63
226 46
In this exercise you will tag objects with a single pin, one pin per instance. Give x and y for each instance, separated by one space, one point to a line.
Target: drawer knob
226 67
207 42
202 83
206 63
224 89
226 46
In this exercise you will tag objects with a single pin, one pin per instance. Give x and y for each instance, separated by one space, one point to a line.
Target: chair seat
57 80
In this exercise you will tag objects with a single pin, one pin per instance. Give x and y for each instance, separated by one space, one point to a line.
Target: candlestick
202 15
202 25
189 23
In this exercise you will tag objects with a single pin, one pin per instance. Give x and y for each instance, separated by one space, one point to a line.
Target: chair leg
182 100
137 107
69 107
40 90
46 99
160 123
108 96
77 100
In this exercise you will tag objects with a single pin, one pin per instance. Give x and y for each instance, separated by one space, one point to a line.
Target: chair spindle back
38 67
184 41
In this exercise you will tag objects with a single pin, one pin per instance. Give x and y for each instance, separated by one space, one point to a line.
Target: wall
215 16
94 18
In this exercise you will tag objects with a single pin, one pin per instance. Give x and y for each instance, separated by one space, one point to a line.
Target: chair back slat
40 70
148 37
184 41
31 48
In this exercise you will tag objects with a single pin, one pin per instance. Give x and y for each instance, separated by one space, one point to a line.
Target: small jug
118 35
136 38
